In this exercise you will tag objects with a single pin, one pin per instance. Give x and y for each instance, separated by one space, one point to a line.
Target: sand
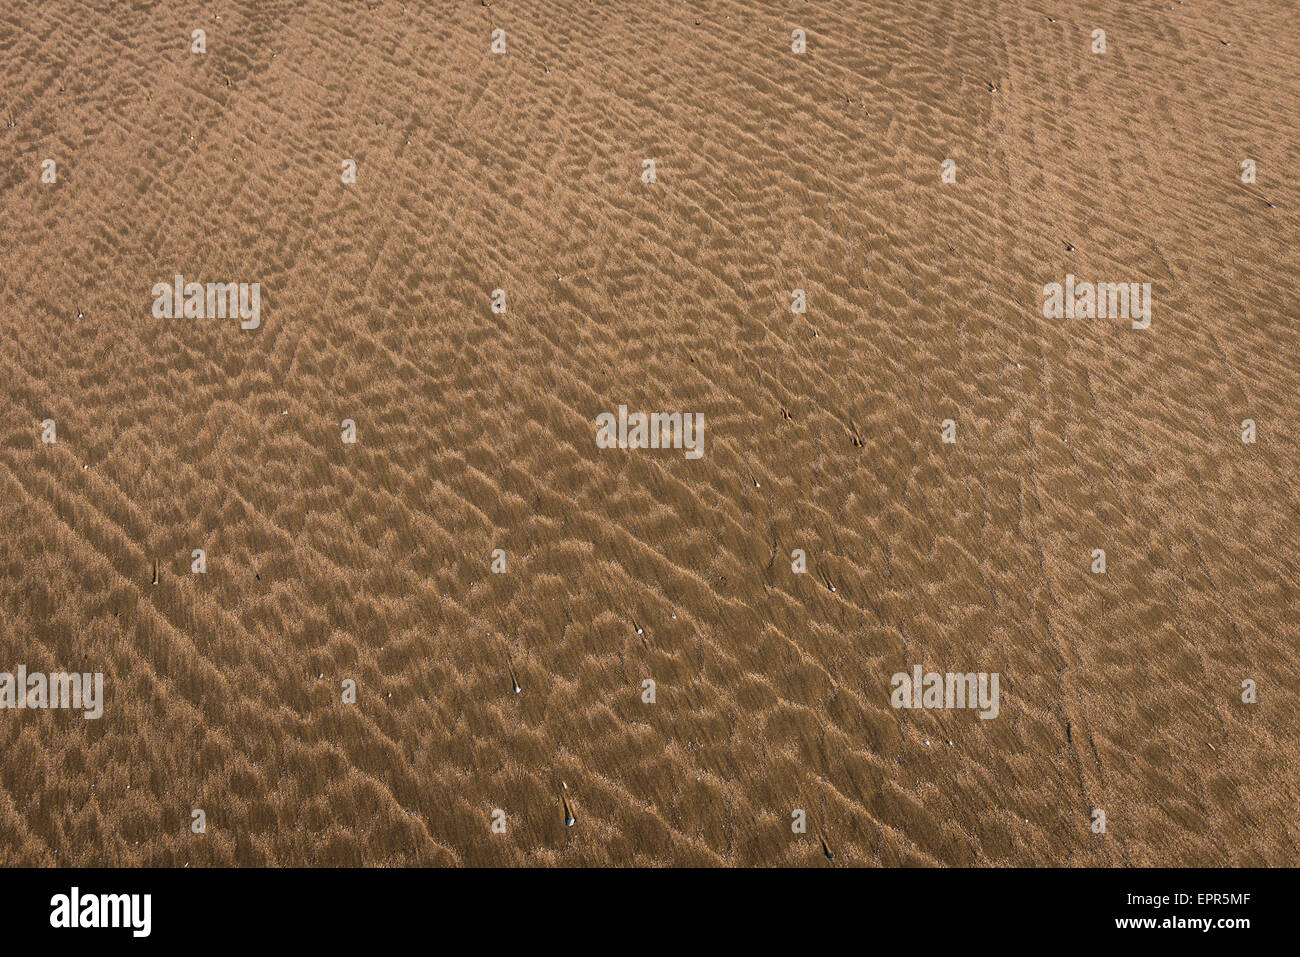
372 561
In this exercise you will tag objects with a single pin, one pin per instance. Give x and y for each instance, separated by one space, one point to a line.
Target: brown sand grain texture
475 430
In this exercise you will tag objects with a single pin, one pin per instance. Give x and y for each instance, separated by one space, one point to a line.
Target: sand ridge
371 560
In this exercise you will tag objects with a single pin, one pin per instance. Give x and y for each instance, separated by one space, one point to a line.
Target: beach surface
368 565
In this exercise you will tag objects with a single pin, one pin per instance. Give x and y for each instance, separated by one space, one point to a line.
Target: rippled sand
775 171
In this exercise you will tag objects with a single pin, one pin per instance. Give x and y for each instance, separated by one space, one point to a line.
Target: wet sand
371 561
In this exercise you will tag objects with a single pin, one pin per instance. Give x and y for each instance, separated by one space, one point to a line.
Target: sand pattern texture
775 171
